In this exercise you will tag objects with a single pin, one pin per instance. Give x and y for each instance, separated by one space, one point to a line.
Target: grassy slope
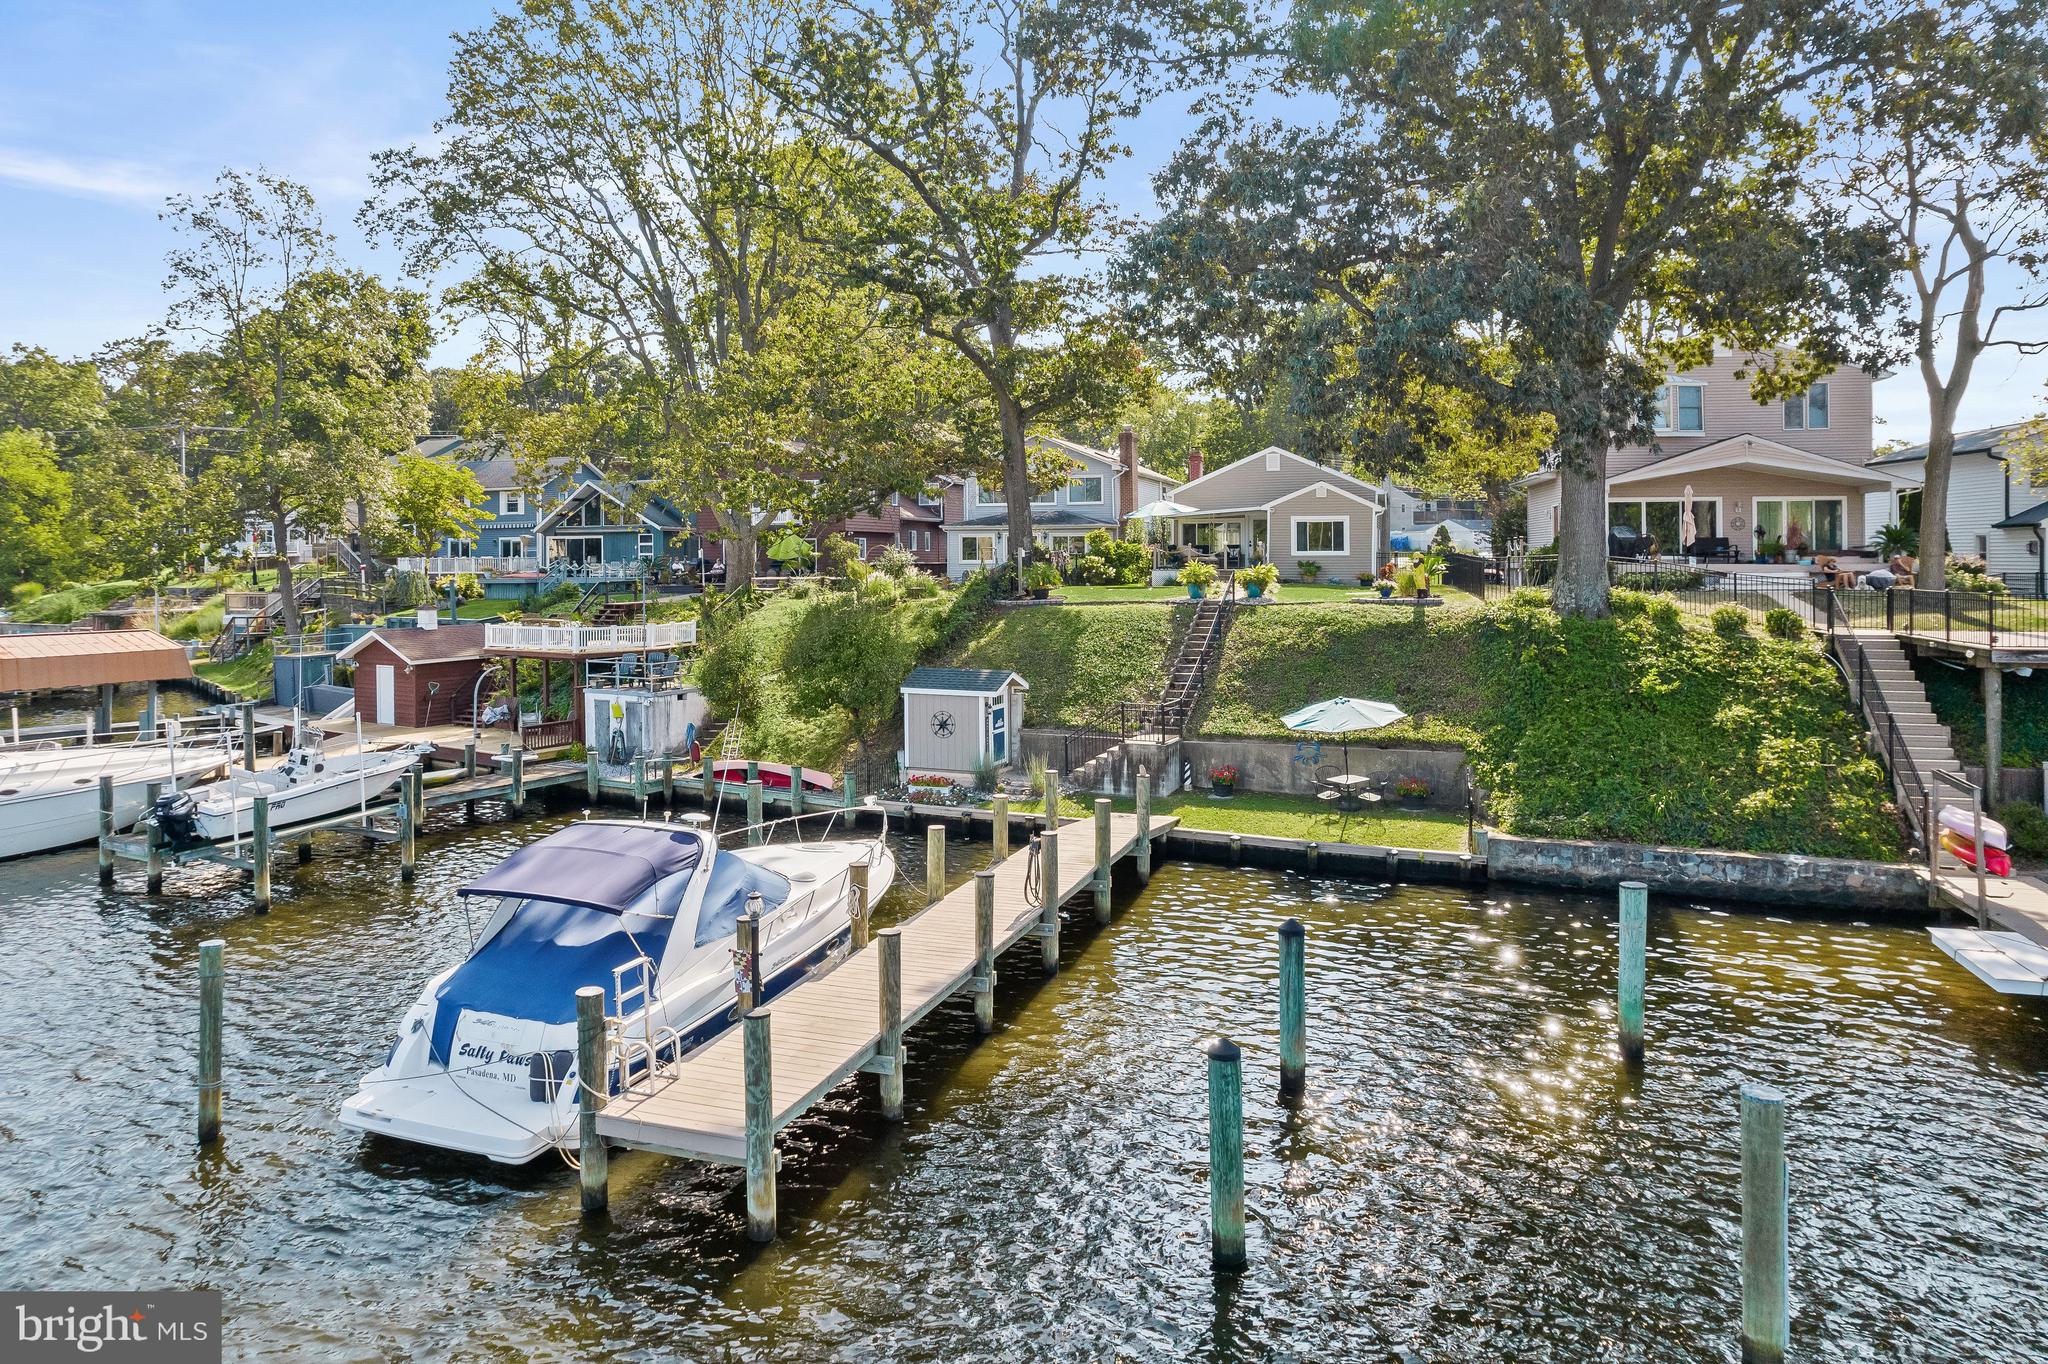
69 604
1278 660
1651 728
1080 663
247 677
1957 696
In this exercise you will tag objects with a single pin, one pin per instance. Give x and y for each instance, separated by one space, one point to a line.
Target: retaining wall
1817 882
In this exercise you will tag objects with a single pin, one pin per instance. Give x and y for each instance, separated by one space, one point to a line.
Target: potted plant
1257 580
1196 576
1386 587
1770 551
1223 781
1412 791
1040 579
1310 571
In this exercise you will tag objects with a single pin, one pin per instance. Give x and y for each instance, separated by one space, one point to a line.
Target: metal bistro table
1351 793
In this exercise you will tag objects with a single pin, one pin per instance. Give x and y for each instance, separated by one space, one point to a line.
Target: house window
987 496
645 549
1808 411
930 497
512 504
512 547
1044 497
590 513
978 549
1085 490
861 543
1662 519
1679 408
460 549
1322 536
1813 525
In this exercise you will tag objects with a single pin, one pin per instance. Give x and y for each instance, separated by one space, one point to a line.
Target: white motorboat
308 785
58 804
485 1060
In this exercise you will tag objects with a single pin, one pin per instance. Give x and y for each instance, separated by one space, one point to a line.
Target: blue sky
109 107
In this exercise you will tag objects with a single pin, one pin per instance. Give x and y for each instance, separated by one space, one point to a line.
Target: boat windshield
732 879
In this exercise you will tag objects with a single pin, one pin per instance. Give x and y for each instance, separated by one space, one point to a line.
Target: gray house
958 719
1283 507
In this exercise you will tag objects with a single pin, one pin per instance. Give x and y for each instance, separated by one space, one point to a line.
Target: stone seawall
1889 888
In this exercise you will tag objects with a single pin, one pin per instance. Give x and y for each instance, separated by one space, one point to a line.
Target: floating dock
827 1028
2009 949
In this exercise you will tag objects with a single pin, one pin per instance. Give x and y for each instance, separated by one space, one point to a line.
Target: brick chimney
1194 465
1127 470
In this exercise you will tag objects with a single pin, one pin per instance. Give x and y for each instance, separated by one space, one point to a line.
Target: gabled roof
971 681
1985 440
2032 516
654 511
1321 472
1289 496
442 644
1763 453
437 444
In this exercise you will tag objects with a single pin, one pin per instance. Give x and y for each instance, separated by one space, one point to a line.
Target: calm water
1470 1178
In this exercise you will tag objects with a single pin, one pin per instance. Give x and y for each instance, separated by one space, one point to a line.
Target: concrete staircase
1189 670
1903 726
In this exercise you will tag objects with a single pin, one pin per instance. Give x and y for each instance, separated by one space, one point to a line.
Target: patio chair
1712 547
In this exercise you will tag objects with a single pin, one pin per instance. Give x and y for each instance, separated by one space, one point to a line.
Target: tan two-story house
1794 471
1098 491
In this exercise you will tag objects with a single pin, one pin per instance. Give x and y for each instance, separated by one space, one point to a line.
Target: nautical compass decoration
942 723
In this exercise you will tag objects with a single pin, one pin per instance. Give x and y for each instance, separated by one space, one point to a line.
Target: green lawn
1284 594
1278 661
484 608
1298 817
1080 664
247 677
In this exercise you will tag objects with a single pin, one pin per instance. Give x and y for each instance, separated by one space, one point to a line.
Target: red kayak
775 776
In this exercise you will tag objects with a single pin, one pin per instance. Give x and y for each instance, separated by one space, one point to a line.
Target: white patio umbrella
1343 715
1151 511
1688 528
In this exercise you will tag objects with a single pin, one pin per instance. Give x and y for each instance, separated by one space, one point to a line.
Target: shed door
998 731
387 694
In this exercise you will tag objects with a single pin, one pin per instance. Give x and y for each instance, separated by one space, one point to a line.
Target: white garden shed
956 720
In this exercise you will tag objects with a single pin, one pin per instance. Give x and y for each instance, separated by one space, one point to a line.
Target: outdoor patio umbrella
1344 715
1151 511
1688 528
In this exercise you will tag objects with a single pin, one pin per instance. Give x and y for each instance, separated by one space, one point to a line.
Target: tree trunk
1934 546
1016 480
1581 586
286 604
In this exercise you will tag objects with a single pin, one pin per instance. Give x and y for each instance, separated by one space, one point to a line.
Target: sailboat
55 802
485 1059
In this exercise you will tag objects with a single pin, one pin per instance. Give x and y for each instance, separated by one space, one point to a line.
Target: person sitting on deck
1902 567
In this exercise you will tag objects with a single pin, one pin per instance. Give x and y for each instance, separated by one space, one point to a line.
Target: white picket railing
469 563
567 639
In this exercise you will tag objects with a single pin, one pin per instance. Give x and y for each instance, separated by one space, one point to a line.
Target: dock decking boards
827 1028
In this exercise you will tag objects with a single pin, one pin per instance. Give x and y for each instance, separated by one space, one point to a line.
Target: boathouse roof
89 658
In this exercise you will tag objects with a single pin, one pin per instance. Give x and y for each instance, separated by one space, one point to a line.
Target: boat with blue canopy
485 1059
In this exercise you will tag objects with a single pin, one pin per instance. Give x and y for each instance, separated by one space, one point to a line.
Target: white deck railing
570 639
469 563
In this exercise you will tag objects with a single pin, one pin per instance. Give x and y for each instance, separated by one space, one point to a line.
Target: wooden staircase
1914 743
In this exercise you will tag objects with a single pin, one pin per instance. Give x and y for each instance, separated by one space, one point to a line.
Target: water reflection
1471 1174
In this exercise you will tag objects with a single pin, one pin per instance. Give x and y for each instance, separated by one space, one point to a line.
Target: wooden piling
1236 850
796 790
985 952
1143 851
1226 1154
469 759
863 911
1766 1309
590 775
1049 901
1102 902
846 799
999 830
211 974
155 840
1052 798
305 847
405 838
640 782
760 1118
668 781
889 942
593 1084
1635 902
753 769
106 830
249 735
753 808
707 778
1313 852
934 862
518 778
261 847
416 781
1293 1008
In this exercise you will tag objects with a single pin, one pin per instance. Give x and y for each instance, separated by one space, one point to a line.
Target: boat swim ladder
634 981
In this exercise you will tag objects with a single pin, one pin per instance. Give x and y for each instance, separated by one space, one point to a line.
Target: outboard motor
175 818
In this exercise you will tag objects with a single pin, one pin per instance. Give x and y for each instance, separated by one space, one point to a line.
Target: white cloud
124 181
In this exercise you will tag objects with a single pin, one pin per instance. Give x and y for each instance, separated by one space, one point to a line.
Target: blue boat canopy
597 866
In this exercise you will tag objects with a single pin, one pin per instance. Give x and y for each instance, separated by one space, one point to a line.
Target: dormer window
1680 408
1808 411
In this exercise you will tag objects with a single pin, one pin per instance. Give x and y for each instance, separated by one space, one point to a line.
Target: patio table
1353 793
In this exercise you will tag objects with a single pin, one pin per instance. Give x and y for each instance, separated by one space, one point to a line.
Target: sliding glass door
1812 525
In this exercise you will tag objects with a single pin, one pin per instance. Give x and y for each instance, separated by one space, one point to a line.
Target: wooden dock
2009 949
828 1028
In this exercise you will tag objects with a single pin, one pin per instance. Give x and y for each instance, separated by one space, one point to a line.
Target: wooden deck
829 1027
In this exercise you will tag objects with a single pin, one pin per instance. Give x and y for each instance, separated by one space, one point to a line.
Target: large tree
624 191
322 368
1937 139
1546 208
977 133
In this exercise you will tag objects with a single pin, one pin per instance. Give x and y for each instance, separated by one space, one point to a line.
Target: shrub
1966 573
1411 788
1196 573
1730 622
405 590
1441 541
836 554
1311 570
1090 570
1782 622
984 775
1661 579
1896 539
1040 576
22 592
897 562
2026 828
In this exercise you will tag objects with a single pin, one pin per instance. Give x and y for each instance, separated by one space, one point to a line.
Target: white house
1994 510
1100 489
